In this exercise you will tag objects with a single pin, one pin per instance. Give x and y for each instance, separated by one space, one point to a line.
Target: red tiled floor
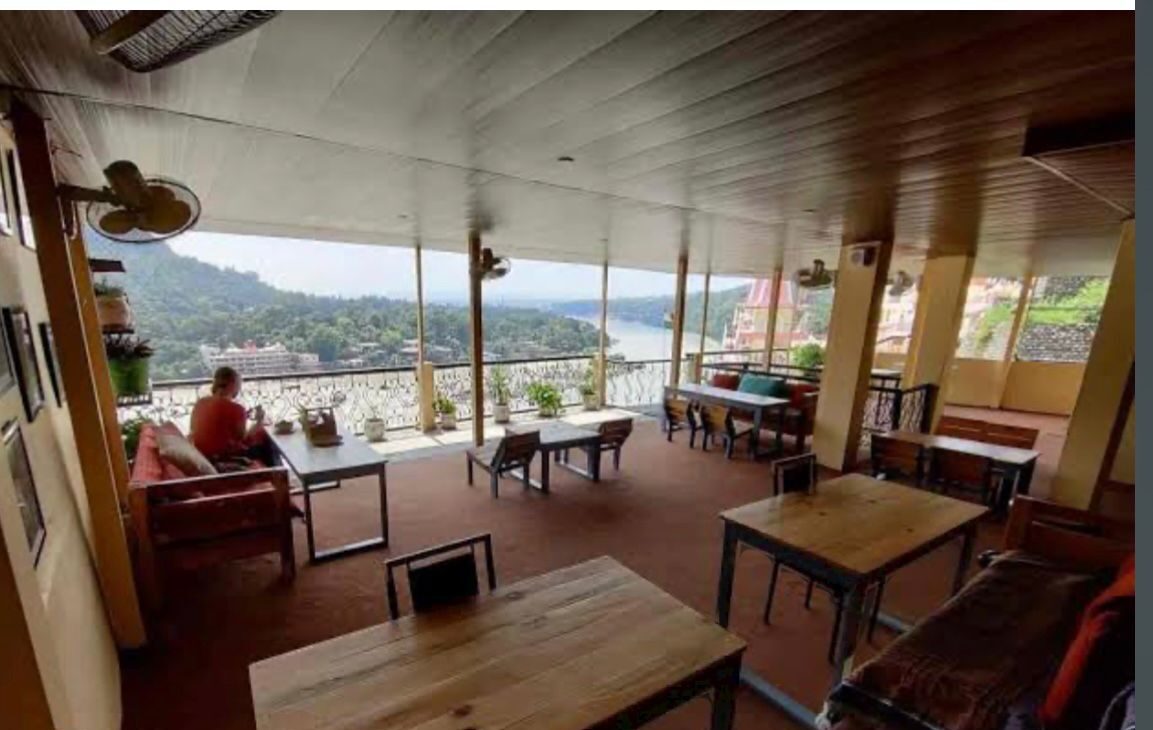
659 517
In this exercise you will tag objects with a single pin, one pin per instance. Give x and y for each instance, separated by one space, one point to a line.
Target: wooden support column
109 545
679 319
424 371
476 320
1101 403
849 355
771 316
603 342
1019 314
704 316
937 323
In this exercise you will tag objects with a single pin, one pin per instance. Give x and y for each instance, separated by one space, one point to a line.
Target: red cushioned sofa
1022 640
183 523
800 414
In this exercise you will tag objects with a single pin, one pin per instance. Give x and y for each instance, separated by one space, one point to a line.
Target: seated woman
220 427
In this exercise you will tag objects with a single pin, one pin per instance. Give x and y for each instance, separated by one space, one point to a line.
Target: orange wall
1038 387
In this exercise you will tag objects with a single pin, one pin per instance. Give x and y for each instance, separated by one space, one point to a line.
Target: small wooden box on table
850 534
593 645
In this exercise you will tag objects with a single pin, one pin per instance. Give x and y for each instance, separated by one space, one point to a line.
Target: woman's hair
223 378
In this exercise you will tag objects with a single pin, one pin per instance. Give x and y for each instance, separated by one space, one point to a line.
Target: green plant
444 405
126 347
588 386
544 396
130 435
104 289
499 386
810 356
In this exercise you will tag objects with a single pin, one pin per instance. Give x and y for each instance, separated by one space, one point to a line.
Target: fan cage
177 36
94 210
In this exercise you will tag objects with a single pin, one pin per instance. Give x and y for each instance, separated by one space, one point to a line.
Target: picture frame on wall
21 221
5 213
48 345
7 370
27 498
22 346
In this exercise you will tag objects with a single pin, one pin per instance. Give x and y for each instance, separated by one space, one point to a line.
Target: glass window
990 305
1062 318
802 322
898 310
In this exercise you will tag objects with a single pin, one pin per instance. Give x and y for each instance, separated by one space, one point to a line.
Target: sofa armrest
213 484
1078 538
848 699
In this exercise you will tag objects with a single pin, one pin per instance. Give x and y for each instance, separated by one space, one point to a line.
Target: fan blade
166 217
118 222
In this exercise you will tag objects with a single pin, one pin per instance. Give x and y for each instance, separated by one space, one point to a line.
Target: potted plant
130 435
112 307
499 390
588 390
128 364
546 398
446 411
374 426
810 356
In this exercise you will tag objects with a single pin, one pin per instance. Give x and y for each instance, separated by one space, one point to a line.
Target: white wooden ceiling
749 136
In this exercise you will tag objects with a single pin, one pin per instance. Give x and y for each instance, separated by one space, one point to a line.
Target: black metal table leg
383 484
728 571
307 490
966 556
728 678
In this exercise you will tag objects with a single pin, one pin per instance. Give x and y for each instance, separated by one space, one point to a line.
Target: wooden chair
967 472
1018 437
614 433
719 420
965 428
514 451
678 416
437 583
799 474
891 458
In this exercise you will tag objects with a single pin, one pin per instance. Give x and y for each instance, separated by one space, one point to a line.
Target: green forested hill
653 310
181 303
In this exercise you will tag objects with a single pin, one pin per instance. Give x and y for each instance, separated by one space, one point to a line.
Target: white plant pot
114 313
501 412
591 402
447 421
546 412
374 429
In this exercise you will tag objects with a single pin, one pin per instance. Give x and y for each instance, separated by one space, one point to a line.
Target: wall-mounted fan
814 277
899 283
135 209
492 267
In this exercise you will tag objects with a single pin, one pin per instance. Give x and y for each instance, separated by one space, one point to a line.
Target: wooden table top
558 434
735 397
560 651
995 452
308 460
858 525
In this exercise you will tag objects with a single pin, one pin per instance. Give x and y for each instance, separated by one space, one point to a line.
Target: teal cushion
762 385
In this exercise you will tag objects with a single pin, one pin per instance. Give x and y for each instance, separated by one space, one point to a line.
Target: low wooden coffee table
555 439
851 533
317 466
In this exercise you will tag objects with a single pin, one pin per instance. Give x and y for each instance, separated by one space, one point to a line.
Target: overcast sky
353 270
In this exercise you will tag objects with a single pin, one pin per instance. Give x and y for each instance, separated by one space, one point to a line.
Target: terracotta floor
658 516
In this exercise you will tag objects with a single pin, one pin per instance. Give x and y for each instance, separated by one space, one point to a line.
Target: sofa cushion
728 381
179 452
147 466
1099 661
763 385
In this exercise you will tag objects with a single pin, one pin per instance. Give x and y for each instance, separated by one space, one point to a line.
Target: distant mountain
181 303
654 311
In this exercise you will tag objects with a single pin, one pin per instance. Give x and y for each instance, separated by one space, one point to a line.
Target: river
637 341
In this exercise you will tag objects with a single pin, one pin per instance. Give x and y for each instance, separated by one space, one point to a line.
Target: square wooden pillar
1102 402
861 276
937 324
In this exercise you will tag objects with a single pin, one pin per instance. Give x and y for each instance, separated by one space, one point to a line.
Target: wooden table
759 405
555 439
850 534
593 645
317 466
1018 464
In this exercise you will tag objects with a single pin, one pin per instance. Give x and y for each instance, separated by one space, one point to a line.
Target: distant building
253 360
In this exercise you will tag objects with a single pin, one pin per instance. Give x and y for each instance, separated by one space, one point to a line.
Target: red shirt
218 426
